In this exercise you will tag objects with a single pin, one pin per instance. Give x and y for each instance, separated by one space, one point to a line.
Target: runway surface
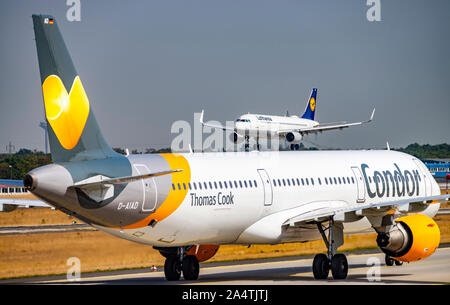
364 268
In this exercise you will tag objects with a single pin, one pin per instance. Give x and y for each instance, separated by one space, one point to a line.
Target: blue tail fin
311 106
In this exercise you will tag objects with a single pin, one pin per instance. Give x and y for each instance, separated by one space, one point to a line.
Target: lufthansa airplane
292 129
187 205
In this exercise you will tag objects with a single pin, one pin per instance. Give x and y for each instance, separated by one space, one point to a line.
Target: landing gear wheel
389 260
191 268
172 268
398 263
339 266
321 267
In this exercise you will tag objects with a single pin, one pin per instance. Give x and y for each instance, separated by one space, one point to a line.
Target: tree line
17 165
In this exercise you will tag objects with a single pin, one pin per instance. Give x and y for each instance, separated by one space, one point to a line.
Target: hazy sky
146 64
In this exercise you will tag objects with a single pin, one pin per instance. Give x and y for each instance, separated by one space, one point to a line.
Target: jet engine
294 137
237 139
411 238
203 252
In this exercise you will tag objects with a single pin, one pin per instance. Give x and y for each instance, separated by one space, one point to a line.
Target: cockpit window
243 120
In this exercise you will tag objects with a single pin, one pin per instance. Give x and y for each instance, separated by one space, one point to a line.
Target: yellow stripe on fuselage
175 198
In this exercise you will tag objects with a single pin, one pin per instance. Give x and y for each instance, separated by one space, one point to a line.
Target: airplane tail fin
73 132
311 106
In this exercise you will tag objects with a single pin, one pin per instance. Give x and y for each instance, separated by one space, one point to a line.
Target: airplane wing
272 226
402 205
327 126
214 125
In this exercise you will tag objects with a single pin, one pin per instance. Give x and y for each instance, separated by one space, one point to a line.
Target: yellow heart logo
66 113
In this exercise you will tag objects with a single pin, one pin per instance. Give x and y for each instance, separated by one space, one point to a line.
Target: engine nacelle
294 137
411 238
237 139
203 252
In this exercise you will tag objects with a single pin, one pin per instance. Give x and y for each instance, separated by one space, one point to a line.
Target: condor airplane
292 129
187 205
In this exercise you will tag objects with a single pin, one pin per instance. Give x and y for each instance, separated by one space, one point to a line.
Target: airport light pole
43 125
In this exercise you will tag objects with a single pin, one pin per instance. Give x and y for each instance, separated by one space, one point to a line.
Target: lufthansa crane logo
312 103
67 113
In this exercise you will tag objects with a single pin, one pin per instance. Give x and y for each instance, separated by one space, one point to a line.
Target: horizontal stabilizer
102 180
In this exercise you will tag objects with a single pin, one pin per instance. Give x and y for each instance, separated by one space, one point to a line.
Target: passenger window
179 187
245 183
184 186
298 182
274 182
326 181
307 181
293 181
230 184
210 185
312 181
235 184
339 179
195 185
288 182
240 183
334 179
189 186
254 183
320 182
284 182
205 185
250 183
200 185
353 180
173 187
279 182
303 182
225 184
215 184
220 184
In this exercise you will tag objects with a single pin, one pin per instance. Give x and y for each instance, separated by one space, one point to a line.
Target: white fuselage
287 183
270 126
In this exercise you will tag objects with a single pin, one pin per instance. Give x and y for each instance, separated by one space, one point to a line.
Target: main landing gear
391 261
179 262
295 146
336 262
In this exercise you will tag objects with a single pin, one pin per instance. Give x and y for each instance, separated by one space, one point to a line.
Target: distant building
12 187
439 168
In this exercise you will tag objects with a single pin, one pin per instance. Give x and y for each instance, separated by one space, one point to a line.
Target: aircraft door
360 184
265 179
149 188
426 181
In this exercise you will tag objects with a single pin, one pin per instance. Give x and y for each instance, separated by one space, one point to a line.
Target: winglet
201 117
371 116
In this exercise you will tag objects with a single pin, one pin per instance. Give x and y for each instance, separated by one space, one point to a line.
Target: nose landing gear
336 262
